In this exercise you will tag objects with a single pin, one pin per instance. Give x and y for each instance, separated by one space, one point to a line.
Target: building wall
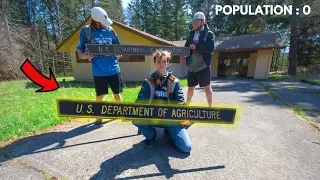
263 64
130 71
252 64
179 69
215 64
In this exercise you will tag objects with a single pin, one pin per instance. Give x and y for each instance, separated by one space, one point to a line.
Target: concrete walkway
270 142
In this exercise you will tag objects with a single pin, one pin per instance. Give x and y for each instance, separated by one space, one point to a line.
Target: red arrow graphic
47 84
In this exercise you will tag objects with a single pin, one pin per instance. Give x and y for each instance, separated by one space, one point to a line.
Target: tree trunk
47 35
292 69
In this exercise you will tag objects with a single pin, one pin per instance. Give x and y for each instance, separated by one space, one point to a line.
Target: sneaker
98 122
139 132
149 143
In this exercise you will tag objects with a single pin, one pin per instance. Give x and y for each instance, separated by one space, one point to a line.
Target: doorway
233 64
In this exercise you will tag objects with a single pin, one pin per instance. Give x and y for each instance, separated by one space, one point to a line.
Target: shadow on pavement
246 91
138 156
42 142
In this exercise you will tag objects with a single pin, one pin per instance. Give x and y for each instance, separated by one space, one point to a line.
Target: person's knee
207 88
191 88
139 123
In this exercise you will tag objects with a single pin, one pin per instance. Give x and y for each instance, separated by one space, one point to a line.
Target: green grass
297 111
23 111
288 78
316 80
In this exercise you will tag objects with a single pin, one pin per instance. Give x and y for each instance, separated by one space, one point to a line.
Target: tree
292 69
113 8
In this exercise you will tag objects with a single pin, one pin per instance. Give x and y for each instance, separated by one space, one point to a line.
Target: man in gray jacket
201 44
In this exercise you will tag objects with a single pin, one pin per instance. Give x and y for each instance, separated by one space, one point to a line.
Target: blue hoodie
101 65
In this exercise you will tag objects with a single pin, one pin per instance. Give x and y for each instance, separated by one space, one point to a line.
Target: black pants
201 77
102 84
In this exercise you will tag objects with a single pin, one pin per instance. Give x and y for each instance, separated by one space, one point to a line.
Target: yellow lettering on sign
183 113
201 117
135 111
130 110
141 111
79 109
151 109
165 111
218 115
125 109
89 110
109 110
214 114
146 111
191 116
115 108
104 109
196 114
120 111
173 113
160 112
179 112
209 115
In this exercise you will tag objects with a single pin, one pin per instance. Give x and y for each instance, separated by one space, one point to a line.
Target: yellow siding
263 64
215 64
127 37
130 71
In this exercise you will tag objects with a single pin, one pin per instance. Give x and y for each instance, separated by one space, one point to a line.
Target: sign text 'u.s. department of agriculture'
133 111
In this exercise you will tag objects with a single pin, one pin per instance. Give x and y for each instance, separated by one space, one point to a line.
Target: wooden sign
132 111
111 49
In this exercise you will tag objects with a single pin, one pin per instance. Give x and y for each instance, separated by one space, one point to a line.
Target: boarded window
132 59
175 59
81 60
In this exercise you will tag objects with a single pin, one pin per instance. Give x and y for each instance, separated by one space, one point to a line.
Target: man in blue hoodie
201 44
105 69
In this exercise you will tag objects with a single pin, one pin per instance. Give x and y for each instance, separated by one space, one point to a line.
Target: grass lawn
285 77
24 111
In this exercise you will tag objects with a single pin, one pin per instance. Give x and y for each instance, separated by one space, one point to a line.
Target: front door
233 64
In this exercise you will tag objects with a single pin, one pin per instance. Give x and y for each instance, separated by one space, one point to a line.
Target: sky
125 3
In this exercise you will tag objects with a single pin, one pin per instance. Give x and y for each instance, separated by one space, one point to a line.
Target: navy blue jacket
206 48
175 96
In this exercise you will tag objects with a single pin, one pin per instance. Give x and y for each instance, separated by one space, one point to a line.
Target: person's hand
86 56
185 123
192 46
89 57
118 56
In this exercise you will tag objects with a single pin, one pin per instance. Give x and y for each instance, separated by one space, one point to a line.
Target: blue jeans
178 134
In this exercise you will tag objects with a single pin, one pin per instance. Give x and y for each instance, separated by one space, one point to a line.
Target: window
132 59
81 60
175 59
227 62
245 62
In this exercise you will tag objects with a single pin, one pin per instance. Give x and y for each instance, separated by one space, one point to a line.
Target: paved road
300 95
270 142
